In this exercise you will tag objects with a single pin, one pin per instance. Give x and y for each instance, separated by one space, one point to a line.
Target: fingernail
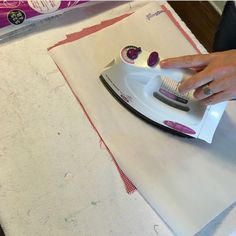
180 89
209 103
196 95
163 63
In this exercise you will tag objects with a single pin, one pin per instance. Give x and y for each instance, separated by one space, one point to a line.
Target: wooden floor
200 17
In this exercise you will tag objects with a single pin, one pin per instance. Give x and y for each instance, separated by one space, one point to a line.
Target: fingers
216 86
190 61
196 81
220 97
210 73
215 78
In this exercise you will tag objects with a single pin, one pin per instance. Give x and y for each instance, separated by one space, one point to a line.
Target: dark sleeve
225 37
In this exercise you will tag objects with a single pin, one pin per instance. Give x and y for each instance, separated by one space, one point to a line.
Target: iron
137 81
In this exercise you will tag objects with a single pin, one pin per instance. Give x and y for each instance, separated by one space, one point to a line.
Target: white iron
137 80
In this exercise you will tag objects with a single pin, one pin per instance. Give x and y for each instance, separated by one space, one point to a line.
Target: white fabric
188 182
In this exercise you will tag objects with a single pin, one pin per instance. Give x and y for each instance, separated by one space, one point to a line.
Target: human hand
215 80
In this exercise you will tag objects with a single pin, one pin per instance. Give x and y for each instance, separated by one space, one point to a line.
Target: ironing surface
188 182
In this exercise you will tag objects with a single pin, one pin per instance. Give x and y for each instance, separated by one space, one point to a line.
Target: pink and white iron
137 81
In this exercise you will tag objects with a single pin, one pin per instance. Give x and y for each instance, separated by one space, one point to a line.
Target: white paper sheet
186 181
